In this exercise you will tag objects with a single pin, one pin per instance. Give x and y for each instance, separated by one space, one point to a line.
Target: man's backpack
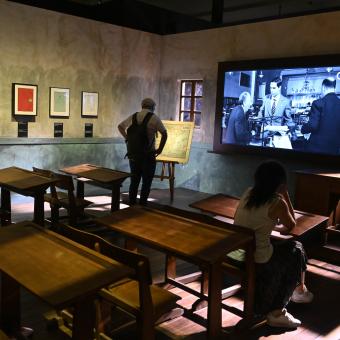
138 144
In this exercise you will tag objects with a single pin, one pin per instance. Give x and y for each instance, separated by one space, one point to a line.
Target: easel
175 151
170 165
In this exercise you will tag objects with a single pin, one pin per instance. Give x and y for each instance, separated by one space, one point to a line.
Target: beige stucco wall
124 65
195 55
51 49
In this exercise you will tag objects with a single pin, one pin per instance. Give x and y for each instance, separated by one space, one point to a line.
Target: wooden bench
64 197
148 303
332 236
225 206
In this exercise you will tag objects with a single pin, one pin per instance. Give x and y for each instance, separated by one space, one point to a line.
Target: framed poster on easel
176 149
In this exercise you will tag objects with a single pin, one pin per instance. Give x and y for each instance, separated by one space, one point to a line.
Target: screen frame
246 65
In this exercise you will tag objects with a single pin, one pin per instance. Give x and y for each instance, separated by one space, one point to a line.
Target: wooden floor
320 319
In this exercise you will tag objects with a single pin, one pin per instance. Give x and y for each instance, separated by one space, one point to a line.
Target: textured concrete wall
123 65
50 49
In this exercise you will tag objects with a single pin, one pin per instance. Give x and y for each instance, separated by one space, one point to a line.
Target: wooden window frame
192 111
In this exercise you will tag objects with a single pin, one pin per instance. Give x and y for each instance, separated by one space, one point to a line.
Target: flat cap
148 103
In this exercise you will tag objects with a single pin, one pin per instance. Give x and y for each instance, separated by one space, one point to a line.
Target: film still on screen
292 108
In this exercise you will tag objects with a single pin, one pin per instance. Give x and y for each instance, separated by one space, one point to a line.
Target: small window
191 101
244 79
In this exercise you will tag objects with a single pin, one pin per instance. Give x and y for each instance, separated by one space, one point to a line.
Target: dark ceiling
175 16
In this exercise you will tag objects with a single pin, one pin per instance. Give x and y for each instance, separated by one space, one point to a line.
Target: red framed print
24 99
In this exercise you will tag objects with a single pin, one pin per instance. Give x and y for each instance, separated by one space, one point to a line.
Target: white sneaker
304 297
285 320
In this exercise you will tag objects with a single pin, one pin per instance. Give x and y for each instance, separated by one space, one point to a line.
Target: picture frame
59 102
24 99
89 104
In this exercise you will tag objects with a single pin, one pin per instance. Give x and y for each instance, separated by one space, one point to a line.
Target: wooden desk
190 240
27 183
224 205
220 204
99 176
317 191
55 269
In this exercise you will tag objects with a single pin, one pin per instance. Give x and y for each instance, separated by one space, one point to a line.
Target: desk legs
115 197
249 283
170 267
115 194
6 202
171 170
215 302
38 204
10 304
39 208
80 189
5 199
84 319
84 314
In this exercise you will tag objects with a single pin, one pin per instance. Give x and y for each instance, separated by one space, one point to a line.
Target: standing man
324 121
139 131
276 107
238 131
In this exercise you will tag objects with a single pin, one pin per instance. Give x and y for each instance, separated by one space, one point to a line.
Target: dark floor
320 319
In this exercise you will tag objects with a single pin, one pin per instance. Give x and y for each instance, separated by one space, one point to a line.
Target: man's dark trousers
141 169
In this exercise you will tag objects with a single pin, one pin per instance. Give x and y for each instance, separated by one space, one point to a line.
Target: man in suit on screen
238 131
324 121
276 107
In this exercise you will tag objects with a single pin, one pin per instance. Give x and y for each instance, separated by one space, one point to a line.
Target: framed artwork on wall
59 102
89 104
24 98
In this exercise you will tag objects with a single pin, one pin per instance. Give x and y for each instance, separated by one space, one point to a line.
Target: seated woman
280 267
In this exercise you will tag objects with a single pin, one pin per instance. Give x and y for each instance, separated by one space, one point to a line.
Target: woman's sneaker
305 297
285 320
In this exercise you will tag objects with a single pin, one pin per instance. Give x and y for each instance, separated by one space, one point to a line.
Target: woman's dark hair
268 177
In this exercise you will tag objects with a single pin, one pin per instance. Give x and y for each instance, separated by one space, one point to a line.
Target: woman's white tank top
258 220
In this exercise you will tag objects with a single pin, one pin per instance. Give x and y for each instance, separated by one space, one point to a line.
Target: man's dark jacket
238 128
324 125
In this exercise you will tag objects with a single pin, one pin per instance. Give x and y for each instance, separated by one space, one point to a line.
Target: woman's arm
286 197
283 211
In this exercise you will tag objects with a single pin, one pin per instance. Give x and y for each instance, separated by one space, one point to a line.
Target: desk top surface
96 173
218 204
174 234
224 205
52 267
23 179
